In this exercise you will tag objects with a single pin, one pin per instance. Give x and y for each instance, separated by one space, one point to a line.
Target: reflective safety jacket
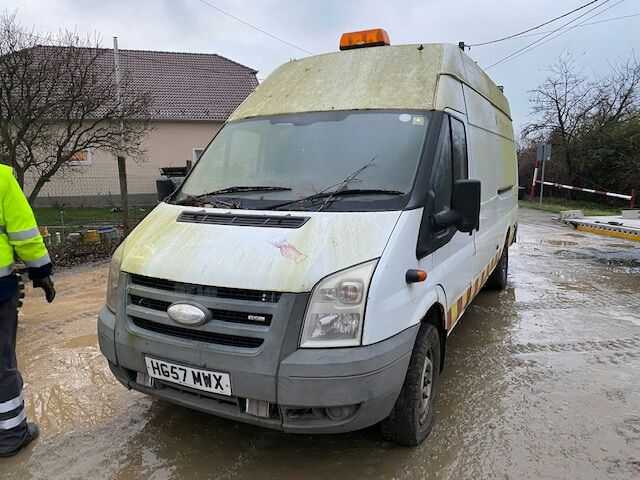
19 234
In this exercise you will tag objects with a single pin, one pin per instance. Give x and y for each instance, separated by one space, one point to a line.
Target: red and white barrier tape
588 190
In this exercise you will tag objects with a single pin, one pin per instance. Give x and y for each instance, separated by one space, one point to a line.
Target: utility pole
122 164
543 155
544 164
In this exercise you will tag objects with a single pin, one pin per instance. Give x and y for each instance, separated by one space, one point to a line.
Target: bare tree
560 105
58 99
590 122
618 93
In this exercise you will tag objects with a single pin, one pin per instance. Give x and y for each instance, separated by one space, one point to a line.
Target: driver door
453 251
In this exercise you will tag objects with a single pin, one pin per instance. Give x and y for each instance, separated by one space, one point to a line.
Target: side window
459 150
443 180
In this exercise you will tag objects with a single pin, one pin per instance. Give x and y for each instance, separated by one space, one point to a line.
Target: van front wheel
413 415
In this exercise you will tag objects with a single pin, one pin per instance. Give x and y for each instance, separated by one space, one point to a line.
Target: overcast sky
192 26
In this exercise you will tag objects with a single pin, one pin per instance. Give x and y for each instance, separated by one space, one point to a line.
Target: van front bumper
305 392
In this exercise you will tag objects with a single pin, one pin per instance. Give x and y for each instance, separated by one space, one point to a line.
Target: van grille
222 315
199 335
271 221
206 291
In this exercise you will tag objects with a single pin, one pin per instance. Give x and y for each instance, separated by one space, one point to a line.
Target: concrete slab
631 214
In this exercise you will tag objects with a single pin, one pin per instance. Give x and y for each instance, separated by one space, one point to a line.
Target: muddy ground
541 381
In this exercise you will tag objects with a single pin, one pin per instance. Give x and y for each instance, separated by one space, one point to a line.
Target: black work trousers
13 423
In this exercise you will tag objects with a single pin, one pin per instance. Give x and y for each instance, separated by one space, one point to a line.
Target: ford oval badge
190 314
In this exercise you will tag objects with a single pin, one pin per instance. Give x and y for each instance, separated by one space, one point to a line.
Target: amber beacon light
366 38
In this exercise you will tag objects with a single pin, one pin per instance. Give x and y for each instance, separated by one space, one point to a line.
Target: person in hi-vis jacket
19 239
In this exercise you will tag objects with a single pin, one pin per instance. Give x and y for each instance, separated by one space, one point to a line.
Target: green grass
559 204
78 217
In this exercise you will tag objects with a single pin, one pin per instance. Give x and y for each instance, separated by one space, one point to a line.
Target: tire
411 420
498 278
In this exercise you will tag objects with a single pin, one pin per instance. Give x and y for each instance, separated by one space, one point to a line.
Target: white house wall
168 144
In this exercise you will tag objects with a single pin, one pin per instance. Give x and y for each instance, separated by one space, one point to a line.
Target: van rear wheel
414 415
498 278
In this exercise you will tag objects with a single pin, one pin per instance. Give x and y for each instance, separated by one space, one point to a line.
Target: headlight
114 276
335 314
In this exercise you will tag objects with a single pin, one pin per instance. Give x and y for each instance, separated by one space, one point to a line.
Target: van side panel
482 83
450 95
483 114
392 304
490 139
507 175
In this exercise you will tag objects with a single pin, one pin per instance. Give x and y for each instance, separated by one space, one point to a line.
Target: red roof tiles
184 86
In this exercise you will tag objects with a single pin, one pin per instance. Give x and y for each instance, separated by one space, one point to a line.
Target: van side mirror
466 203
465 207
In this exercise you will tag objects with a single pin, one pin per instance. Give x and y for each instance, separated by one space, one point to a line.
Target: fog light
257 408
144 379
341 413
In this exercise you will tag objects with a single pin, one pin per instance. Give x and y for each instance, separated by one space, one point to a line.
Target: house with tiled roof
192 96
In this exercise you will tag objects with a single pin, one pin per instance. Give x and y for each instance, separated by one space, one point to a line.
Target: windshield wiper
333 194
194 200
239 189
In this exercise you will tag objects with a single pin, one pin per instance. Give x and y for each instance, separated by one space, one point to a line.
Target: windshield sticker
418 120
404 117
289 251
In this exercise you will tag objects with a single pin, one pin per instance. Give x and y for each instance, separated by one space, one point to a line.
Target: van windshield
292 157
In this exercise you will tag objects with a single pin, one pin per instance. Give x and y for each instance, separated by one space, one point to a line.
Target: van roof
385 77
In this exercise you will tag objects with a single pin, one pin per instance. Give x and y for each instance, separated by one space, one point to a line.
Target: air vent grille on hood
272 221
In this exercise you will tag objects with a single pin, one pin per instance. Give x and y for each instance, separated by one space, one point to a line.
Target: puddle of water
538 383
89 340
558 242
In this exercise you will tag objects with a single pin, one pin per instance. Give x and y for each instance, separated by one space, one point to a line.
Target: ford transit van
307 272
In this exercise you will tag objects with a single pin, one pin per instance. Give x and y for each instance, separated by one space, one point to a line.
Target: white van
306 274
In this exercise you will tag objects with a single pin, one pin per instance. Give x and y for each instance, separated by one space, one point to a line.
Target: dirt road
541 381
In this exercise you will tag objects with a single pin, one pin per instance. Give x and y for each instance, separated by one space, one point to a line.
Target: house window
197 153
80 159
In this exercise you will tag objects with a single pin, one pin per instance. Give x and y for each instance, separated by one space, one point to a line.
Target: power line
256 28
511 55
562 31
580 25
526 47
534 28
571 28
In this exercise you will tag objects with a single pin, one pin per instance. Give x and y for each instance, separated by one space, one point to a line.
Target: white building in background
193 94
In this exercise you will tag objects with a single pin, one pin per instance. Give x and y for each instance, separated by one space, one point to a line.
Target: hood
254 257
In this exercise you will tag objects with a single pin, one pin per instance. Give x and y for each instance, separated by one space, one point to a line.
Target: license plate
205 380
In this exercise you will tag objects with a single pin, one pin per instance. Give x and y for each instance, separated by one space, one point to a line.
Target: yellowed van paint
161 247
389 77
450 94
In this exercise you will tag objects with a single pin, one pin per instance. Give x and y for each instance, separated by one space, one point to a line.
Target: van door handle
504 189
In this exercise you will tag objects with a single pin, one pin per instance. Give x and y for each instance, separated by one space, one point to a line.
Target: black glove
47 285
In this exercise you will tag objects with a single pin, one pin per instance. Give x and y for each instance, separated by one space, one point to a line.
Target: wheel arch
508 240
437 317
